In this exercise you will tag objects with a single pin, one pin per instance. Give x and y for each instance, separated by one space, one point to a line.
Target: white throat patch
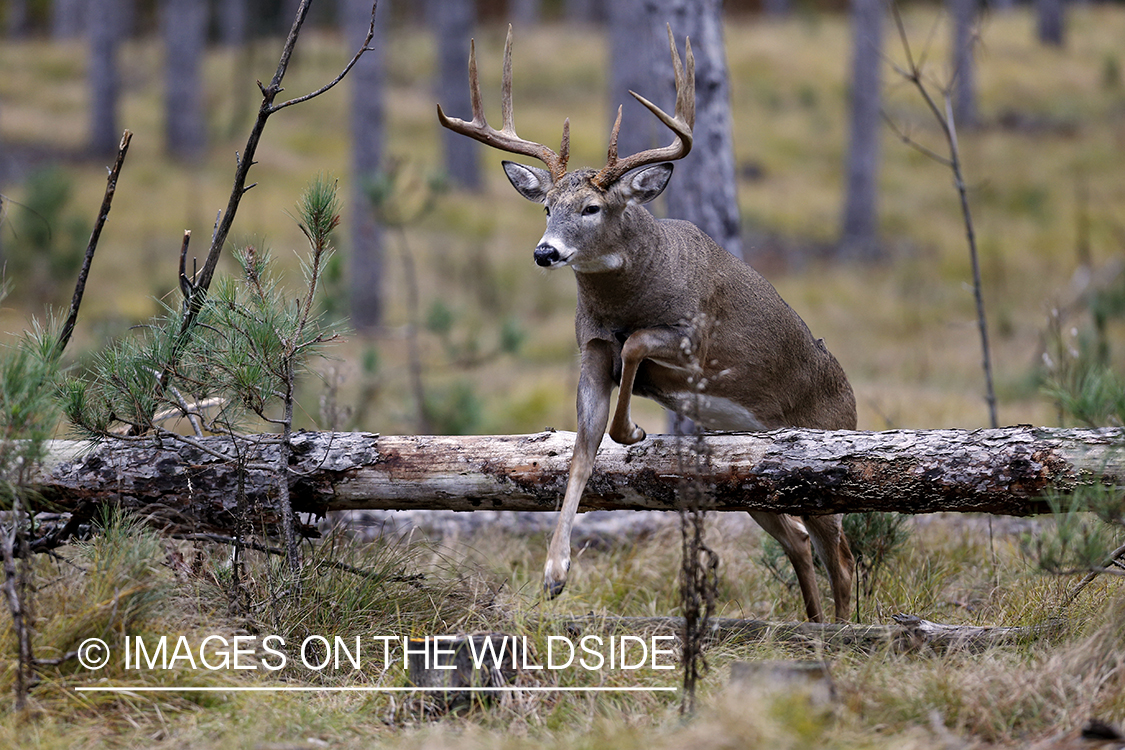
600 264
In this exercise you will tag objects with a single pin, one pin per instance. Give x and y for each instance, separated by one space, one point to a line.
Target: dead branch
92 245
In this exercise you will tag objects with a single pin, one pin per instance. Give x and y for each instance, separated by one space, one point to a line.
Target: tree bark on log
193 483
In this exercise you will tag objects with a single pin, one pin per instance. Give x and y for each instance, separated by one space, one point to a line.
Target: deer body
663 312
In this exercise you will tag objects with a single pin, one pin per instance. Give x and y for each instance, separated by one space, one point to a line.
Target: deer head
584 208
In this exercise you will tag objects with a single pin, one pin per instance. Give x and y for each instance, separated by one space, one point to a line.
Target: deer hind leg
594 385
794 539
663 344
832 546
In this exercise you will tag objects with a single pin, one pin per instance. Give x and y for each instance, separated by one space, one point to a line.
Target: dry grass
904 331
1004 697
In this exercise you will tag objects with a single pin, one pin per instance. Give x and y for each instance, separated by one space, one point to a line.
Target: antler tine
685 104
680 124
564 148
506 86
504 139
611 157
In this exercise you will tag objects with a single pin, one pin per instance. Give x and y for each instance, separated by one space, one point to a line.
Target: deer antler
505 139
681 124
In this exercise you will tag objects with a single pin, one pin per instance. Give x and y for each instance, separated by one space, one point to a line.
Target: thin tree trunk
526 13
1051 22
193 482
704 190
776 8
102 75
453 22
234 22
860 235
367 113
68 18
15 590
184 27
633 63
963 14
16 21
584 11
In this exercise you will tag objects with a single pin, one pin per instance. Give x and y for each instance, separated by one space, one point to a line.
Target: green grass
904 331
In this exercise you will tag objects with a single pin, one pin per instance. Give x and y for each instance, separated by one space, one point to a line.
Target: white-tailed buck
667 314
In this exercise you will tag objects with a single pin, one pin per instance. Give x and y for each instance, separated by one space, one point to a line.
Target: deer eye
591 210
547 210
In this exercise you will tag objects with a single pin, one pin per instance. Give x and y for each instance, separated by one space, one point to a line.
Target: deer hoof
554 578
553 588
634 435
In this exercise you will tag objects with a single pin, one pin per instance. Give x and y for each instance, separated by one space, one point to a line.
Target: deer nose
545 255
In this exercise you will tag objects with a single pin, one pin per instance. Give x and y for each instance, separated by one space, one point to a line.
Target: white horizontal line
363 689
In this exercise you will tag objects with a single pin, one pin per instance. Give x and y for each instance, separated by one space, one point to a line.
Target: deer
663 312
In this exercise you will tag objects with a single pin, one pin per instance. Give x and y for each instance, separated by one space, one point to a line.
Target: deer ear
531 182
643 185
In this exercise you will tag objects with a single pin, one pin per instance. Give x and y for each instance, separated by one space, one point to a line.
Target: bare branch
905 138
91 247
364 47
186 286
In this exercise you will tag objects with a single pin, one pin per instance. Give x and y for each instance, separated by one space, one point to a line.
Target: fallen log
196 482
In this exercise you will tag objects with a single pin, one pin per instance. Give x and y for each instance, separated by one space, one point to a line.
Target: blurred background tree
367 123
184 30
859 235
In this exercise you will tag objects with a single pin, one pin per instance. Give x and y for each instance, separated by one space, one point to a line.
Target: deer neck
639 283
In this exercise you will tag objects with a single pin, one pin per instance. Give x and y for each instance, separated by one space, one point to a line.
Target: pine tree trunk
453 22
368 129
1051 22
184 28
963 14
704 190
102 75
860 236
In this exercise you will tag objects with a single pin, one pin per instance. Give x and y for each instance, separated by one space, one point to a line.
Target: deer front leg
667 345
594 385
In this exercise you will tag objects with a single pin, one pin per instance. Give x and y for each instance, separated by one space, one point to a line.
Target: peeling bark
1006 471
